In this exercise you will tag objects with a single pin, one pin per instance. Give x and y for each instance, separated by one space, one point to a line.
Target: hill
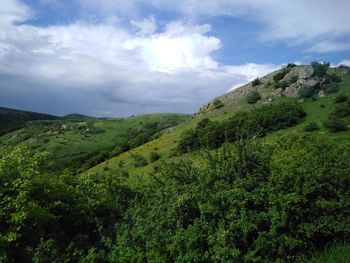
77 117
11 119
81 141
283 85
260 174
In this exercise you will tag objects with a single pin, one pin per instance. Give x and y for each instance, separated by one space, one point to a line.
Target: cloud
99 68
329 46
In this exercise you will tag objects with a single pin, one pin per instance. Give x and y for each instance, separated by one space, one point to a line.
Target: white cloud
329 46
345 62
106 68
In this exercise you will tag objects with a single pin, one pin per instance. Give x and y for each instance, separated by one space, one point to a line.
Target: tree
320 69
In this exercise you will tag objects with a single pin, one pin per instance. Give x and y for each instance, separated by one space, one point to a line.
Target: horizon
116 59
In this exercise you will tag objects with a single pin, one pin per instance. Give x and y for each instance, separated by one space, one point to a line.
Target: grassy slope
11 119
167 142
65 145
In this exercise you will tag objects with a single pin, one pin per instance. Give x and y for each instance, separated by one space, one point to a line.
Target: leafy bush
255 203
341 111
291 65
217 104
242 125
253 97
330 87
306 91
335 125
280 75
341 98
139 160
293 79
203 123
154 157
320 69
256 82
312 126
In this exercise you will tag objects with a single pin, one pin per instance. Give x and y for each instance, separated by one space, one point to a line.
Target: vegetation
280 75
312 126
256 82
253 97
11 120
320 69
256 203
306 91
218 104
334 124
243 125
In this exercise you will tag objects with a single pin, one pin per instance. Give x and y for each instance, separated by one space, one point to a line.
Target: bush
320 69
203 123
342 111
243 125
139 160
330 87
306 91
291 65
253 97
217 104
280 75
256 82
293 79
341 98
154 157
335 125
259 202
312 126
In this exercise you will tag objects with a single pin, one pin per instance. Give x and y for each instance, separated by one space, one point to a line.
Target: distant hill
11 119
77 117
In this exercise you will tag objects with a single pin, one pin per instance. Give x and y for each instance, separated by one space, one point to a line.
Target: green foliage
257 203
342 110
203 123
291 65
253 97
320 69
293 79
330 88
341 98
280 75
281 84
218 104
334 124
139 160
55 218
154 157
243 125
256 82
312 126
336 253
306 91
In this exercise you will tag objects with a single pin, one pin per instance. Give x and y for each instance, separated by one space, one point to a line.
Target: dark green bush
330 87
154 157
217 104
342 110
312 126
341 98
291 65
320 69
306 91
293 79
253 97
139 160
243 125
256 82
335 125
280 75
256 203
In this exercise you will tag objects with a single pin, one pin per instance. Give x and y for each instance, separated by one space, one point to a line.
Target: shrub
256 82
154 157
203 123
258 202
139 160
312 126
335 125
291 65
341 98
306 91
342 111
293 79
330 87
253 97
332 78
320 69
217 104
280 75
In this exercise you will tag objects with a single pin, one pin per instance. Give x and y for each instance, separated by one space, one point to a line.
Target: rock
321 94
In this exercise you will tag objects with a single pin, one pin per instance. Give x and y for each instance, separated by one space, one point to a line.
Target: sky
116 58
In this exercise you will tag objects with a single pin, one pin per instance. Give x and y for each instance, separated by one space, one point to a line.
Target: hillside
260 174
11 119
290 80
81 142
